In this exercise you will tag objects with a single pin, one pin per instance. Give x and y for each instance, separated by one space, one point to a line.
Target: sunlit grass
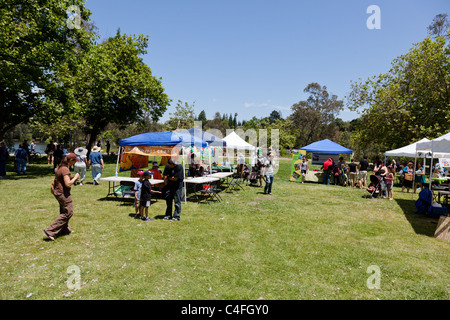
306 241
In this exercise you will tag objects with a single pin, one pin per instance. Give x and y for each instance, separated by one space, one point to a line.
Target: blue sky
252 57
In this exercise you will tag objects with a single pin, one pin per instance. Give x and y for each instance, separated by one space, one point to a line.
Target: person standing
173 178
327 165
352 173
269 164
304 169
49 150
362 176
108 147
82 164
146 197
62 184
21 160
4 154
419 178
390 181
96 164
137 193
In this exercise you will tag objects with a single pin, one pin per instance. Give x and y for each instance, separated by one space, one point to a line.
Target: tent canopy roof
206 136
407 151
326 146
233 140
438 145
152 139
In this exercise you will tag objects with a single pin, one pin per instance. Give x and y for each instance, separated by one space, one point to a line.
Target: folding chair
210 192
127 189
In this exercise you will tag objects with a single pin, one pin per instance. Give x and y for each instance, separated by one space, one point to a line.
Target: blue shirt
138 188
20 153
95 157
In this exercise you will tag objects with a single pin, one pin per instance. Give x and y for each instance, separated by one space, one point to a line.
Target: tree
38 52
440 25
183 117
274 116
115 86
411 101
202 117
313 119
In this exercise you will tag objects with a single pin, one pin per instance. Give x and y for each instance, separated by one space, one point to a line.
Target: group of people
63 182
353 174
263 170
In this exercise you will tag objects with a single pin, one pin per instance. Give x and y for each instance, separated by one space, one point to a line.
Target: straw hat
95 149
80 151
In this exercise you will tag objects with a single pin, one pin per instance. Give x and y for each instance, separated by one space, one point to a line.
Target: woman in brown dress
62 186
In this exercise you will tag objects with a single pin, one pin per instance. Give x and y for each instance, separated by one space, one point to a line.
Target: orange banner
153 151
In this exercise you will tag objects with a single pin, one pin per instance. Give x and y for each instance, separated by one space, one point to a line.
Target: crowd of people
356 175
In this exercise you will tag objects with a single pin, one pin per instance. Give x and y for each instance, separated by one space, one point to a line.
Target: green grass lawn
306 241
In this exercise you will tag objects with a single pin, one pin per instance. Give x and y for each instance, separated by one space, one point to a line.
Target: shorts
362 175
145 204
137 203
389 186
352 175
303 171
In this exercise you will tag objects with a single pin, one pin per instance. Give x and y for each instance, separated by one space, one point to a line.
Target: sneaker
147 219
167 218
175 219
95 182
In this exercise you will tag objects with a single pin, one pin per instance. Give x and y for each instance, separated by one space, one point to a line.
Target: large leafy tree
314 118
409 102
114 85
38 52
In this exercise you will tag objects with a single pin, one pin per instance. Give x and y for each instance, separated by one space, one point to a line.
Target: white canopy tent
407 151
234 141
439 148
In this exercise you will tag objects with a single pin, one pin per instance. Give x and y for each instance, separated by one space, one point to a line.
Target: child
137 193
390 181
146 192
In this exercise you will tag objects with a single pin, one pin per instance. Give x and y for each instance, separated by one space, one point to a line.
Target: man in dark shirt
173 178
362 177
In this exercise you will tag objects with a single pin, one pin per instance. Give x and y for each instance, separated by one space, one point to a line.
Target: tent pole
117 163
184 176
414 178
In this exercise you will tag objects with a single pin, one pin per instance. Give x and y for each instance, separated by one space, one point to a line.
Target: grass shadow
421 223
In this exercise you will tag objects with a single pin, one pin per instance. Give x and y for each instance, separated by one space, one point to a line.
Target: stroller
374 187
253 177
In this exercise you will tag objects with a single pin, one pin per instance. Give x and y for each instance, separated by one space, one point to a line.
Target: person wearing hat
96 163
146 196
81 165
61 191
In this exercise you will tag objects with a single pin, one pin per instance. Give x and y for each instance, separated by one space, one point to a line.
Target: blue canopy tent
323 149
152 139
163 139
211 139
326 146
